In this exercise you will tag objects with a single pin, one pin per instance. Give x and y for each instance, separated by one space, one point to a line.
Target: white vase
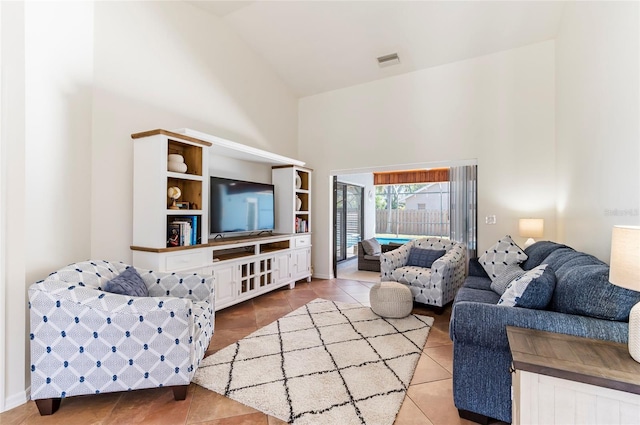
298 203
177 167
175 157
298 181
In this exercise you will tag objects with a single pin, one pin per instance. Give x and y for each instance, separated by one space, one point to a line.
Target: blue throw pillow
420 257
531 290
129 282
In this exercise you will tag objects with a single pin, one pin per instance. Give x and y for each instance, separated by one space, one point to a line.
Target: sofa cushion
410 275
129 282
477 282
475 269
504 253
508 275
533 289
538 252
371 246
585 290
420 257
565 259
483 296
372 257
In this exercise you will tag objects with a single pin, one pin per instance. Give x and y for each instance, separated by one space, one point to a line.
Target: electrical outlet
490 219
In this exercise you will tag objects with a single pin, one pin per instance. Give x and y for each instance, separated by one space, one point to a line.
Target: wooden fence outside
413 222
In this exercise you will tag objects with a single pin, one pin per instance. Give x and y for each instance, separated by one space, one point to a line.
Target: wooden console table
565 379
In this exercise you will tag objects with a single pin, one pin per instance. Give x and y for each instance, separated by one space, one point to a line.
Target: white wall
59 78
12 279
170 65
46 126
497 108
87 76
598 144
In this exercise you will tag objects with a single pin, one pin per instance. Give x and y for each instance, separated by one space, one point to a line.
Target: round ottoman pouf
391 299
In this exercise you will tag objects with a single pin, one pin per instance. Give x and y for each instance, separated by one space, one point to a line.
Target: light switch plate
490 219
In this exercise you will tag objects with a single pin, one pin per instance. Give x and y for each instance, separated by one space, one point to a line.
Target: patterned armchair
87 341
436 286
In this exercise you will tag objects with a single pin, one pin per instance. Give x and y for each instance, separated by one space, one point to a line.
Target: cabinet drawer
302 241
184 261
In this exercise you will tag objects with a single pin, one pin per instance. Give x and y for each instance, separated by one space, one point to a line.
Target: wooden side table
565 379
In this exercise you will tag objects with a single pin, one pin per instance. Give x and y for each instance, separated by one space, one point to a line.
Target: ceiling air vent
388 60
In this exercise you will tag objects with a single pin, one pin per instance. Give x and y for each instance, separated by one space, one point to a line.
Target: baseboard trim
18 399
322 276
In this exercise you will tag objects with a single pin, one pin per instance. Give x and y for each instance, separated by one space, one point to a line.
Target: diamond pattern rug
324 363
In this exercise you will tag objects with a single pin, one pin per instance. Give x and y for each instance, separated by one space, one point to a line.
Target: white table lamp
625 272
531 228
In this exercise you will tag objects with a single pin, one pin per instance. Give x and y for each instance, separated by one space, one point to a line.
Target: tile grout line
437 362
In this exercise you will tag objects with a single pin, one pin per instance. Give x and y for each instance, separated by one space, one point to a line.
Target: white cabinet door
248 277
281 272
224 284
301 263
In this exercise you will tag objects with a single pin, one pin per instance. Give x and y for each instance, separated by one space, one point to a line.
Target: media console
244 266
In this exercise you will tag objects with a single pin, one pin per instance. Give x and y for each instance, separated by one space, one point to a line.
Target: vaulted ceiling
318 46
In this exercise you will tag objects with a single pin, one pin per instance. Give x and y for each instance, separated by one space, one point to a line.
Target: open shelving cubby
294 198
154 219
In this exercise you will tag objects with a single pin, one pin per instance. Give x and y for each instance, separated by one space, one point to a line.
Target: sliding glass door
348 219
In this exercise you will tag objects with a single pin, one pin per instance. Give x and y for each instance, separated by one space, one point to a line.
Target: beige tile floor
429 399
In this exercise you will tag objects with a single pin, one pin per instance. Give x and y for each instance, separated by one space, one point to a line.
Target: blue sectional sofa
583 303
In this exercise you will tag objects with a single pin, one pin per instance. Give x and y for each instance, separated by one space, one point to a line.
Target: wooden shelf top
170 134
247 239
221 242
591 361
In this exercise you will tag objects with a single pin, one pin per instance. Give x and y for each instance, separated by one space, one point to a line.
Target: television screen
240 206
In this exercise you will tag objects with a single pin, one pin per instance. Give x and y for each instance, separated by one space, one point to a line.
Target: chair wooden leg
180 392
48 406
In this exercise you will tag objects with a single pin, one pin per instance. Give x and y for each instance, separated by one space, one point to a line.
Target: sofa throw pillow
371 246
504 253
531 290
129 282
420 257
508 275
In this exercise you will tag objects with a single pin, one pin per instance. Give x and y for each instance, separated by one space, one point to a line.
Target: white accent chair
87 341
436 286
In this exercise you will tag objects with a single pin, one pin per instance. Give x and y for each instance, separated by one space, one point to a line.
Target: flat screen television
240 206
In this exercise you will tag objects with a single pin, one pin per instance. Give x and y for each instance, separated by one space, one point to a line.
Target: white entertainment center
243 266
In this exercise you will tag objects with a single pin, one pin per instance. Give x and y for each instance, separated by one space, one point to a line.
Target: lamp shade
624 271
531 227
625 257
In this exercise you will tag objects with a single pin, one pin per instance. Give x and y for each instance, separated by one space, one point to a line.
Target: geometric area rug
325 363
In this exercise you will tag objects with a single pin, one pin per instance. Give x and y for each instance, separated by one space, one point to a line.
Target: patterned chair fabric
87 341
435 286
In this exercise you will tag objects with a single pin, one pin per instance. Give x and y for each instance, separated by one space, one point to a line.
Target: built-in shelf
184 176
184 212
244 266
